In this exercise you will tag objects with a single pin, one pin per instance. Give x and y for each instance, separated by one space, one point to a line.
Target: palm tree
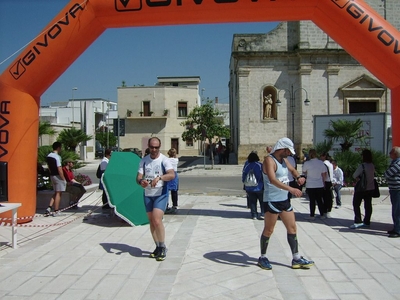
70 138
347 132
45 128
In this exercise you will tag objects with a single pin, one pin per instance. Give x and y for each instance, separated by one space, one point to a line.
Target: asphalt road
228 186
221 186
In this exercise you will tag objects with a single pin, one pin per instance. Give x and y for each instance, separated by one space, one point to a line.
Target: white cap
284 143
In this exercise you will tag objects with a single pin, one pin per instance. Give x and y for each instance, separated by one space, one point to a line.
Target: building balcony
150 115
147 117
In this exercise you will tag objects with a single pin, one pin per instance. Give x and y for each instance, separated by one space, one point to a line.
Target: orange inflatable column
19 130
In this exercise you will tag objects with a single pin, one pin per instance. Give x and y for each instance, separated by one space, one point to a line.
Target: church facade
281 79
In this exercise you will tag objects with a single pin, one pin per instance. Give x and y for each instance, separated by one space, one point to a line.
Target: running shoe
356 225
264 263
47 212
162 254
155 252
58 214
302 263
170 210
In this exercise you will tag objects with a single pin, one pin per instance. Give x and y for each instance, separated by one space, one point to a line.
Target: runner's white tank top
271 192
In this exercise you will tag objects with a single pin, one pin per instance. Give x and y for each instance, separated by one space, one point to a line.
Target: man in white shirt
154 170
57 179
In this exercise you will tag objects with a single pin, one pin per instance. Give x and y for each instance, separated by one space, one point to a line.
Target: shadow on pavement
213 213
342 225
186 161
236 258
235 205
119 249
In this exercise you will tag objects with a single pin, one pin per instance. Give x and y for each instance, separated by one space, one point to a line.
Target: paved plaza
213 251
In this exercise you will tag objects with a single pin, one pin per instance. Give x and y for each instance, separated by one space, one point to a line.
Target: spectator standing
276 202
392 175
173 185
254 193
57 179
220 152
305 154
328 198
315 172
74 187
103 166
368 167
212 150
154 170
227 152
337 182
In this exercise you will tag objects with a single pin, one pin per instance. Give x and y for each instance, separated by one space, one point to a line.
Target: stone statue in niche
268 106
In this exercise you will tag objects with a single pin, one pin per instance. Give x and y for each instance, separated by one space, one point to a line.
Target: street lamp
292 94
73 109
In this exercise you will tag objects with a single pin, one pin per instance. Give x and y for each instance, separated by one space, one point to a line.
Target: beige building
281 79
88 114
158 111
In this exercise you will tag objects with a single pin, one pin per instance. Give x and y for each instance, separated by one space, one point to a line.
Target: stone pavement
213 250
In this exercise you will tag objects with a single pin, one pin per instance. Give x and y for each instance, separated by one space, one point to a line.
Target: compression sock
264 240
294 245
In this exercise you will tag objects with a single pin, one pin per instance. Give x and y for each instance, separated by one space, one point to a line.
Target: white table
14 207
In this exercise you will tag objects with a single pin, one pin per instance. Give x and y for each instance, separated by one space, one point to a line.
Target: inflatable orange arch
352 23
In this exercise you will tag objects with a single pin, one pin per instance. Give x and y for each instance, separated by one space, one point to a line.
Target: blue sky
135 55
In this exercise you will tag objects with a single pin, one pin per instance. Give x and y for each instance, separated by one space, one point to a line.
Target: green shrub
324 146
348 161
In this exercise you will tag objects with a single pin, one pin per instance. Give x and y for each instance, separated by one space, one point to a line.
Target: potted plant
128 113
165 112
151 113
140 113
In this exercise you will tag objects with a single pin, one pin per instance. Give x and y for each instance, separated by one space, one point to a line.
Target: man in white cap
276 202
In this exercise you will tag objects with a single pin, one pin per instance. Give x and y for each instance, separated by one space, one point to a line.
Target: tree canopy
204 122
101 137
345 131
45 128
70 138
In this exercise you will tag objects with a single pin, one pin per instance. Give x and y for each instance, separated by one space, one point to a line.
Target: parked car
99 153
137 151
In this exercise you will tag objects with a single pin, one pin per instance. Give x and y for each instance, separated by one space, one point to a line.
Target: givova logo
128 5
17 69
